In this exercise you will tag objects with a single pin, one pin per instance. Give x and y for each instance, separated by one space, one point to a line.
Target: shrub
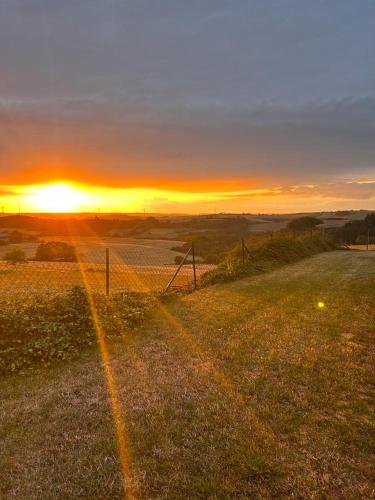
55 251
362 239
266 255
15 256
302 224
45 329
212 258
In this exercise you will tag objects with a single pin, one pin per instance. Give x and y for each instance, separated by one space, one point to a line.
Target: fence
116 265
102 266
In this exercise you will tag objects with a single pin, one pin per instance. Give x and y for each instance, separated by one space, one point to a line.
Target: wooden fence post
178 270
107 271
194 267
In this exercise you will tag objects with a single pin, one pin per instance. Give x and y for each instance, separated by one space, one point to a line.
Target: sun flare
58 198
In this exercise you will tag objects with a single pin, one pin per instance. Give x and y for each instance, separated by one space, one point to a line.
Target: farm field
261 388
363 247
130 251
135 265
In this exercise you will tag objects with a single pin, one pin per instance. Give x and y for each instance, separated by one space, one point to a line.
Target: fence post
178 270
243 251
194 268
368 238
107 271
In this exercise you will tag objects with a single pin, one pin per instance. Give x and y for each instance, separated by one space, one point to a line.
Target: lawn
242 390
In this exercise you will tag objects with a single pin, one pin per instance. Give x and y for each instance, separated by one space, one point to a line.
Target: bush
213 258
362 239
44 329
15 256
302 224
266 255
56 251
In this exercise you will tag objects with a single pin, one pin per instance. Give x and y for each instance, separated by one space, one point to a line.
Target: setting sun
58 198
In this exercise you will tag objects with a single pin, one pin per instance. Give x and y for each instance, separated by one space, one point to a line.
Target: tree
370 220
361 239
55 251
15 256
350 231
302 224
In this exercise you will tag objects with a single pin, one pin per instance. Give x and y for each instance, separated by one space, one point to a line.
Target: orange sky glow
198 108
69 197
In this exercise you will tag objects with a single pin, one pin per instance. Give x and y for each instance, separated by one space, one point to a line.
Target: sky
188 106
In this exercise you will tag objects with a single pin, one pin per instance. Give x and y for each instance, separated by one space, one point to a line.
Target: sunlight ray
220 378
122 438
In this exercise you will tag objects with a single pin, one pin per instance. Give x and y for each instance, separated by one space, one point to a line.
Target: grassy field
135 265
362 247
243 390
131 251
50 277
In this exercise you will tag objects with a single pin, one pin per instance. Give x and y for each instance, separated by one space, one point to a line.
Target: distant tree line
49 251
302 224
15 236
356 231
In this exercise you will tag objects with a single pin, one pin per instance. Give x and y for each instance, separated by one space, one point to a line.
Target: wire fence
115 265
100 266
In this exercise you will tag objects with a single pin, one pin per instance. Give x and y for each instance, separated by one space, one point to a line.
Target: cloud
300 144
352 190
8 191
188 95
346 190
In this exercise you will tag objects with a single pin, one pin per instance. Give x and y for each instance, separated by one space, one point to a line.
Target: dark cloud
290 144
279 91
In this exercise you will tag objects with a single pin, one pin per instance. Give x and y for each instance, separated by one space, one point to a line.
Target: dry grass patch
243 390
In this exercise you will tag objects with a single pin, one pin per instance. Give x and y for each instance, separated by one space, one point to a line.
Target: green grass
241 390
49 328
265 254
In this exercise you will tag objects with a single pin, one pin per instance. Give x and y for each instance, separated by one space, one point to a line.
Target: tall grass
265 254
